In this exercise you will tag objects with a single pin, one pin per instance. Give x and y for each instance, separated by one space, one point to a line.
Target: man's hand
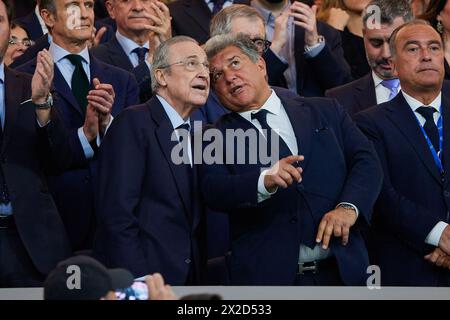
283 173
305 17
444 241
101 98
161 28
280 35
439 258
41 84
96 37
90 127
157 289
335 223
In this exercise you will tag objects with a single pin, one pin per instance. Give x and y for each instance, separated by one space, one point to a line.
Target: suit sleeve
364 177
121 171
395 212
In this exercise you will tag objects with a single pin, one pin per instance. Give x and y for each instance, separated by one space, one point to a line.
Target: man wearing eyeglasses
149 214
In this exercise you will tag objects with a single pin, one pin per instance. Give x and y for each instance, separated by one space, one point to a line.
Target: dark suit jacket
355 96
113 53
314 75
74 190
151 222
266 236
414 196
27 154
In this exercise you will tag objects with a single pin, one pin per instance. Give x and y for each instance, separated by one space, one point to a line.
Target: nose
386 52
229 75
425 54
137 5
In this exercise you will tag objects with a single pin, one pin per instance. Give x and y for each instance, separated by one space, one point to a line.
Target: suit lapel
445 106
163 134
365 93
118 55
403 118
13 96
302 123
63 89
200 13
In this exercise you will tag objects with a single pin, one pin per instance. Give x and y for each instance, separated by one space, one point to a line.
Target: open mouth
200 87
236 90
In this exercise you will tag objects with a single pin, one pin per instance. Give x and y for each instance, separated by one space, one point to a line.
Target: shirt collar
59 53
127 44
272 104
175 119
376 79
414 103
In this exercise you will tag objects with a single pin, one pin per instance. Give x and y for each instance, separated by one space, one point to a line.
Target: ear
48 17
161 78
110 7
261 64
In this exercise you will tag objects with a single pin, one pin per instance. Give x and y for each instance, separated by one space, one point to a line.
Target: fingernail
324 247
318 240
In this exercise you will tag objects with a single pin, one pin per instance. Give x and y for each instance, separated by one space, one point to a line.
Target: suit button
447 194
294 220
187 261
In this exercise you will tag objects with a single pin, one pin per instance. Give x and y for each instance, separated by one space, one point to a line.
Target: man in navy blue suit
381 84
141 27
410 235
89 94
298 221
148 210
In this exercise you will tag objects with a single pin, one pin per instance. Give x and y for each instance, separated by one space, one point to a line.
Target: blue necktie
430 126
284 150
392 85
140 52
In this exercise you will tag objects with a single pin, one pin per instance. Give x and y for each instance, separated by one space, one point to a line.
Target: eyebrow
418 42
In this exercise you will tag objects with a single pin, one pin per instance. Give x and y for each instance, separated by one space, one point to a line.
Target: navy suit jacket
149 215
355 96
28 153
113 53
327 70
74 190
340 166
414 196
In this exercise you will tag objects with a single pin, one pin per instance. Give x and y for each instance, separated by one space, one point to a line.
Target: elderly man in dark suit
89 94
410 236
298 221
33 143
381 84
148 210
141 27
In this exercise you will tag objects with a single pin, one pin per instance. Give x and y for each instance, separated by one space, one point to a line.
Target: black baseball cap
94 280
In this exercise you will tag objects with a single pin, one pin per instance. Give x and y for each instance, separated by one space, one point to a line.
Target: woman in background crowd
19 41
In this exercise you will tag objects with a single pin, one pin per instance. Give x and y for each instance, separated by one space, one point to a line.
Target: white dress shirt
382 93
435 234
128 46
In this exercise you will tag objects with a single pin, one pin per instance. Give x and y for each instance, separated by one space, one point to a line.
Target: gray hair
48 5
394 34
221 22
389 10
241 41
161 57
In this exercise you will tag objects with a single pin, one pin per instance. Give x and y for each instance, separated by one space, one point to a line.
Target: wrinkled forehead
186 49
224 57
419 34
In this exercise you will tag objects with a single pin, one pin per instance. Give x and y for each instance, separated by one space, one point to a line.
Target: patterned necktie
140 52
430 126
284 150
79 82
218 4
392 85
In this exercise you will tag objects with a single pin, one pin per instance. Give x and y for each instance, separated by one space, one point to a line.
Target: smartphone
137 291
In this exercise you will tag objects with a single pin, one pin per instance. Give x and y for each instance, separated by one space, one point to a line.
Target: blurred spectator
19 41
329 12
438 15
419 6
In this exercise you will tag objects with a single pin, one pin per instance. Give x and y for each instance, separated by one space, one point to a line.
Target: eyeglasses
190 64
262 44
25 42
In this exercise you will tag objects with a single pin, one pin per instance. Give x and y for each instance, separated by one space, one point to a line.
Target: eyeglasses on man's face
25 42
190 64
262 44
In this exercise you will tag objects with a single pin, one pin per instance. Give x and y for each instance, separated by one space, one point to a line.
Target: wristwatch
47 104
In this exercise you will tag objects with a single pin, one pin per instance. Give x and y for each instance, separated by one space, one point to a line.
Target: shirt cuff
263 194
87 149
315 50
99 139
350 204
435 234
